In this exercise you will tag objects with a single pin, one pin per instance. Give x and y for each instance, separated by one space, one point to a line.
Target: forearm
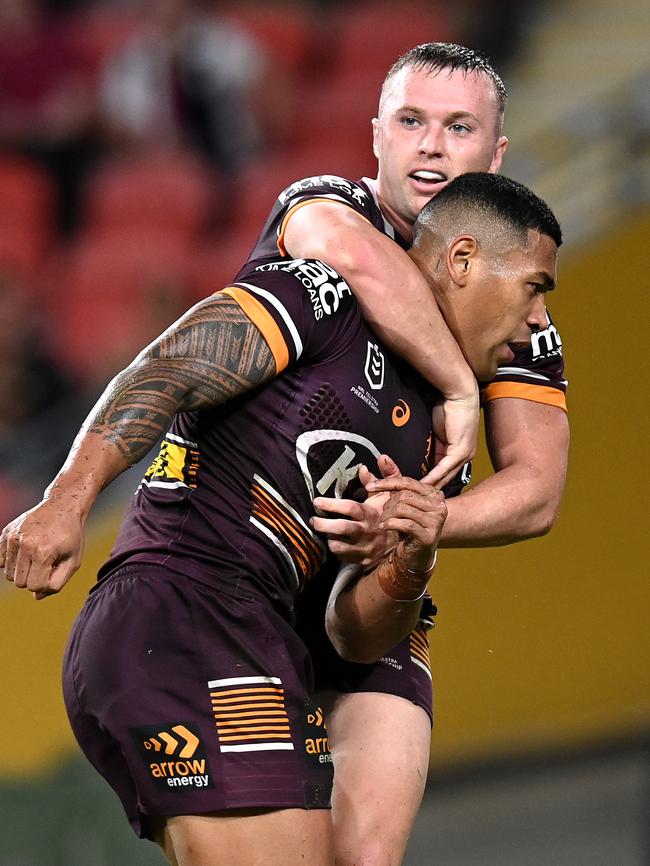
528 444
504 508
393 295
363 622
368 614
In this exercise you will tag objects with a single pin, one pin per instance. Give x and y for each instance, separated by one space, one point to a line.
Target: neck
401 226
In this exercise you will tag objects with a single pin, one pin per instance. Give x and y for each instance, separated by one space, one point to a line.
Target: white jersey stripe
521 371
283 550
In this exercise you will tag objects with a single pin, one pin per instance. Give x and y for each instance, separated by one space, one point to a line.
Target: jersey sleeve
536 373
304 309
306 192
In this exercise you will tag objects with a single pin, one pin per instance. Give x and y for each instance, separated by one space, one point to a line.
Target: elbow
542 520
351 646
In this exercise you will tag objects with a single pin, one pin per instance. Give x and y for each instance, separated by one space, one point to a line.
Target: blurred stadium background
541 654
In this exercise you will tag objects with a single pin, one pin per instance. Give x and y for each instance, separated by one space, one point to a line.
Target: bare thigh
380 748
284 837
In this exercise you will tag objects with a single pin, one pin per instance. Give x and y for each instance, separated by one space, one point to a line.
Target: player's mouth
428 182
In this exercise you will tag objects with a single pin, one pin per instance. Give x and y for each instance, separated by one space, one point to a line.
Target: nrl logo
374 368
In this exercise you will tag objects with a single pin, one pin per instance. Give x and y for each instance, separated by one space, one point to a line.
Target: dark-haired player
185 681
440 114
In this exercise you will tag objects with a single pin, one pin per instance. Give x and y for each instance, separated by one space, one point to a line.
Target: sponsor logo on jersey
330 460
546 343
317 744
401 413
338 184
173 754
177 464
325 287
371 401
375 365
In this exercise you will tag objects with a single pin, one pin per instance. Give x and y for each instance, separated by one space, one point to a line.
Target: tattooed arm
213 353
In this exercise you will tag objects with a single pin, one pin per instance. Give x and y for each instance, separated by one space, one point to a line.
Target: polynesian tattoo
211 354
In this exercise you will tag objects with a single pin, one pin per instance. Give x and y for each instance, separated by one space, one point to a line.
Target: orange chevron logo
401 413
171 744
315 718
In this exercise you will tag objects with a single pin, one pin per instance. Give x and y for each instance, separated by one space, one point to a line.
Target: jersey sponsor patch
177 464
336 183
547 343
325 287
330 460
316 740
174 755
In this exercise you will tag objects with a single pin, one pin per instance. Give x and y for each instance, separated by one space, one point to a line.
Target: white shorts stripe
244 681
259 747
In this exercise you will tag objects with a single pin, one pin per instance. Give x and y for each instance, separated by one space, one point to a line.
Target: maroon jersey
537 371
228 498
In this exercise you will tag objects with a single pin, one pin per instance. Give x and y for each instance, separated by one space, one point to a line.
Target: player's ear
461 255
497 159
375 136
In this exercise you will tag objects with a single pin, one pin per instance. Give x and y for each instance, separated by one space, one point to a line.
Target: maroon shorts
404 671
189 699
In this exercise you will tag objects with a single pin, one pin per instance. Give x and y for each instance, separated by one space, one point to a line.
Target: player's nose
537 319
431 142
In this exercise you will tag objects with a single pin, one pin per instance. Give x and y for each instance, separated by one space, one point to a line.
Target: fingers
346 507
388 467
441 474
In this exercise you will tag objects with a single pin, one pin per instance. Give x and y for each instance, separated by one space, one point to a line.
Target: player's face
432 126
503 302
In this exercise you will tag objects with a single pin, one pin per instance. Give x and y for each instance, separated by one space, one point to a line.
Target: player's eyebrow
545 279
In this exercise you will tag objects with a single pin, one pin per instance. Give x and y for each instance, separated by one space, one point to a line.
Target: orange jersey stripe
536 393
252 691
263 320
297 207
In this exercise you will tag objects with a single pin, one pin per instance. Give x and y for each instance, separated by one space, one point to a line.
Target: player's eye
409 121
460 128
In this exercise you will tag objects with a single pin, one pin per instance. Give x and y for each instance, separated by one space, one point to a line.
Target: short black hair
497 197
434 56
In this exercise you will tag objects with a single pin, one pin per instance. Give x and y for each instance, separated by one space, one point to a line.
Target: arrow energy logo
174 755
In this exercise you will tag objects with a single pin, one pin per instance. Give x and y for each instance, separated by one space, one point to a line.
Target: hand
455 424
417 512
41 549
355 537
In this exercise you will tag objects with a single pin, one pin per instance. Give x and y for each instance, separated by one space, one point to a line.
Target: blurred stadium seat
371 38
27 206
284 30
118 290
100 30
169 191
